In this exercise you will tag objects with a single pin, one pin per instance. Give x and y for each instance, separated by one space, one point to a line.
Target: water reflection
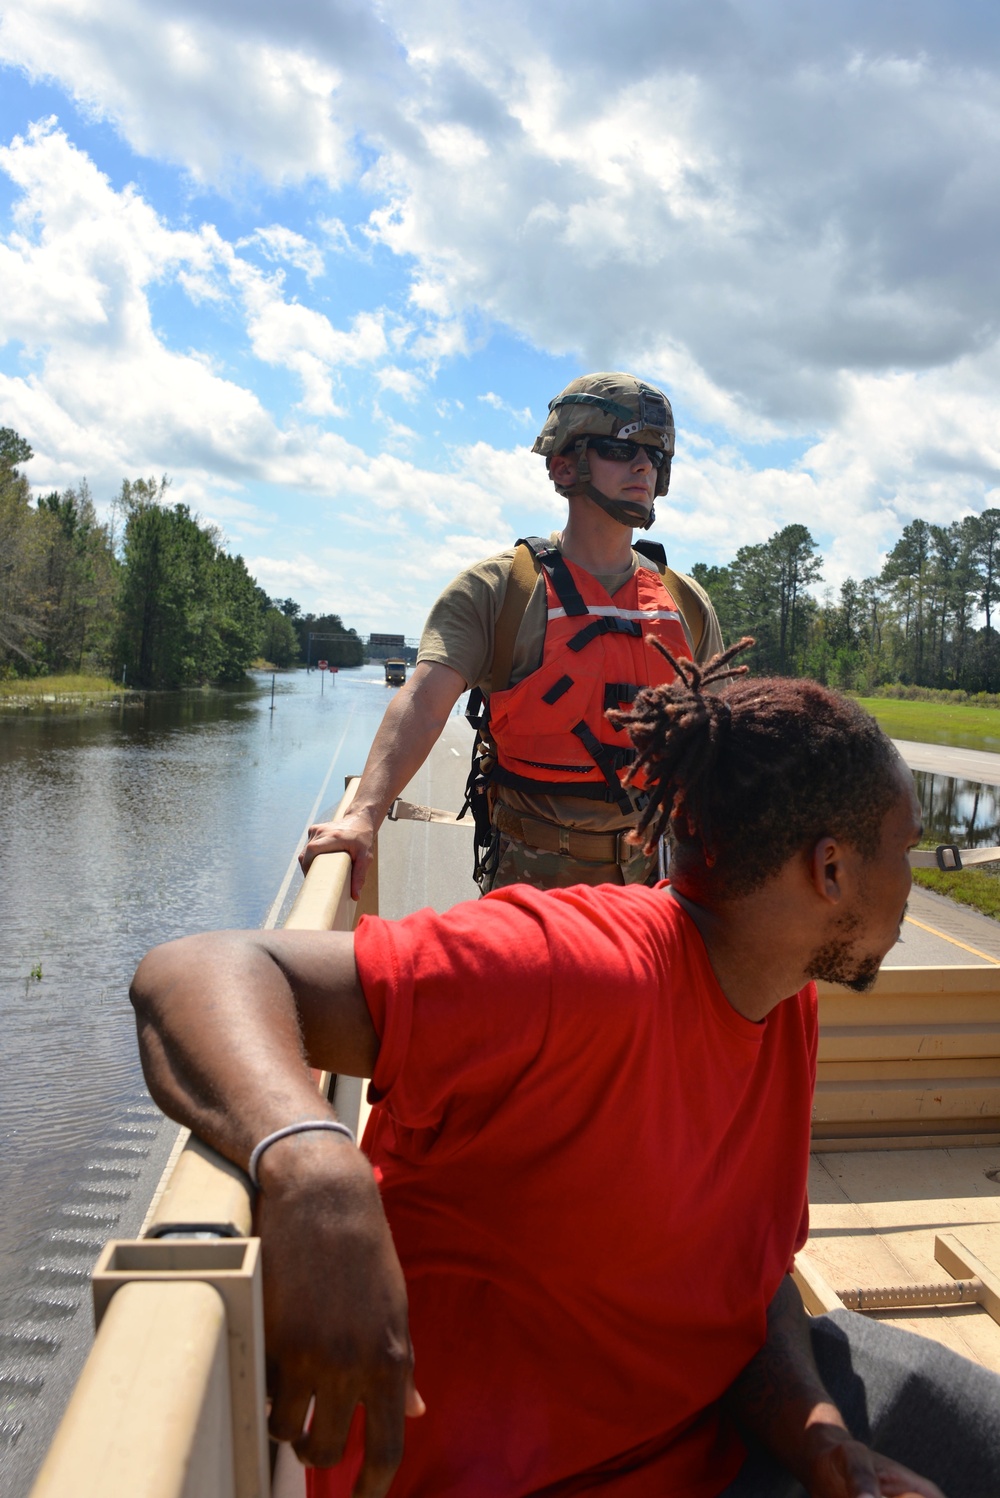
959 811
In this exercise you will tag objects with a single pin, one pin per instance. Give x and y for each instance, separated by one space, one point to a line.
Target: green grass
969 887
57 686
960 724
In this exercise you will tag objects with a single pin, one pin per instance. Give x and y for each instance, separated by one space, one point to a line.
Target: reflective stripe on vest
610 611
550 731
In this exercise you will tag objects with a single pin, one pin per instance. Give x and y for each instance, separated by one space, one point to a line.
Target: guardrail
171 1400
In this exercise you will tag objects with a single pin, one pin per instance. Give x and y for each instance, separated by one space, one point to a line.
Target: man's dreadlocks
748 775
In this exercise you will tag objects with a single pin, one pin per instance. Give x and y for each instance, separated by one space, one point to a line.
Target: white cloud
777 200
197 89
300 577
523 417
405 382
298 338
283 244
336 234
395 436
107 397
518 477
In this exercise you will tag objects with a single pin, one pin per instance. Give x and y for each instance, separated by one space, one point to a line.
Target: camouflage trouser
519 864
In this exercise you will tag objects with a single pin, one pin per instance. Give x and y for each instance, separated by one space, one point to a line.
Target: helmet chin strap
626 511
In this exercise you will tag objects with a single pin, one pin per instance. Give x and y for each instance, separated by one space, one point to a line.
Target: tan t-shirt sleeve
461 625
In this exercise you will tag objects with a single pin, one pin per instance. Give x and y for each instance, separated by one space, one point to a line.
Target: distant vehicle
395 673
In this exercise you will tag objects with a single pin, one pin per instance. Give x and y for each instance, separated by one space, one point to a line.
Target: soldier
550 633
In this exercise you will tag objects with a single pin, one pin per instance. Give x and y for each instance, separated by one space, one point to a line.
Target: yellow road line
954 941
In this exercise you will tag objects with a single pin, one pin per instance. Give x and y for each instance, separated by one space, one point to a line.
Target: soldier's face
635 480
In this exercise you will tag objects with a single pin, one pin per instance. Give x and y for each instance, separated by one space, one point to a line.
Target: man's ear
562 469
827 870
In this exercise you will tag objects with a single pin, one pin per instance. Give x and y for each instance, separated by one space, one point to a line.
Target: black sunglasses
616 450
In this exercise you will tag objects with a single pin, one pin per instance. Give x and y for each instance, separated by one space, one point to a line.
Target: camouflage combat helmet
608 405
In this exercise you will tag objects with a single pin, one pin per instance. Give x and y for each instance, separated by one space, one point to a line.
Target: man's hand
847 1469
408 731
779 1398
353 834
229 1024
335 1308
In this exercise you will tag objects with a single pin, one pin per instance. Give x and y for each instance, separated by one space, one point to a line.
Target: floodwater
120 828
959 811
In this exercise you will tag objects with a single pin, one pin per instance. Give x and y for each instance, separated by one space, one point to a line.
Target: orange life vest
549 730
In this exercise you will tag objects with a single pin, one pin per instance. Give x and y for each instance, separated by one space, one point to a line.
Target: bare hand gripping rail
171 1398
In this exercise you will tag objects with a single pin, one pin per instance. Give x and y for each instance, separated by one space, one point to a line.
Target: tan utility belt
613 847
549 837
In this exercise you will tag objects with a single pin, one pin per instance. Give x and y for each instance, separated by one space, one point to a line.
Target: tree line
149 596
926 619
152 592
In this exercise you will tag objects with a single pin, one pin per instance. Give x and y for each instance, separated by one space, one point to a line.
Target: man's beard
836 963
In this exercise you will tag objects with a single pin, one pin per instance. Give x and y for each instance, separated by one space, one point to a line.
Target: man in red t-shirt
590 1132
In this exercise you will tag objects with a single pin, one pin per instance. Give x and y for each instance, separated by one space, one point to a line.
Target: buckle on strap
604 625
617 692
626 850
949 857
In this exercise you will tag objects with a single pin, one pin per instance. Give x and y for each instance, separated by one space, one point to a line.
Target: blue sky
325 264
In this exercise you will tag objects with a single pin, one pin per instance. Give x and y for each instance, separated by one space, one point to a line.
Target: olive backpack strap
680 589
520 586
688 602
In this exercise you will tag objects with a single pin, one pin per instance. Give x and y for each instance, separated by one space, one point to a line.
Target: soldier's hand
353 834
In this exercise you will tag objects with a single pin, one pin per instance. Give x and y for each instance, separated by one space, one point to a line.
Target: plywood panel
873 1219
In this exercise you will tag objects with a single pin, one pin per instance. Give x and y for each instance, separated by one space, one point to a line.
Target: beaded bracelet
330 1124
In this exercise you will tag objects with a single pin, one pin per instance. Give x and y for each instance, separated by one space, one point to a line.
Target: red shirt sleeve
460 1003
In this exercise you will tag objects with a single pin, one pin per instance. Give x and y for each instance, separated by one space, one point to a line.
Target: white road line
279 899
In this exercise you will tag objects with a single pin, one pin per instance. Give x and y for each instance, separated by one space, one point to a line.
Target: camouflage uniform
519 864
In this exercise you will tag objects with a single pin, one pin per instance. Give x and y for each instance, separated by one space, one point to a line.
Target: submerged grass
964 725
41 687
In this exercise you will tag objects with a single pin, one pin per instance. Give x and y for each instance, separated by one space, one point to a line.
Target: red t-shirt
595 1174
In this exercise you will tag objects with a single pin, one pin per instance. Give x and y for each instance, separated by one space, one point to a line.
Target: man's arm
780 1399
408 731
228 1027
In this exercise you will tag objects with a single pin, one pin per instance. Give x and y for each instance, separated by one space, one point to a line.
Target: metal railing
171 1400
